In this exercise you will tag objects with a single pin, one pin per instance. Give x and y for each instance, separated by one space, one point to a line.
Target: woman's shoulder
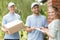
55 22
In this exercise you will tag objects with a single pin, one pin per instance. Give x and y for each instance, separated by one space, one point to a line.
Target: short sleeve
4 21
45 23
19 17
28 23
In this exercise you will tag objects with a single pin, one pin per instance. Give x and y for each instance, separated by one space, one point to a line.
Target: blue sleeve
28 22
4 21
19 17
45 23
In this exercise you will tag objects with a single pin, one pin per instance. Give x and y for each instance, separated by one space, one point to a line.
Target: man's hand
4 30
29 29
33 28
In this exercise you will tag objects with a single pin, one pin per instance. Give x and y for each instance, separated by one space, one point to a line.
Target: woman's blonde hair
57 11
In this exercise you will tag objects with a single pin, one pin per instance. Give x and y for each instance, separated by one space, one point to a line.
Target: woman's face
51 15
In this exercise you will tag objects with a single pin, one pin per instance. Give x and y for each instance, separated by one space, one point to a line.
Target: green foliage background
23 8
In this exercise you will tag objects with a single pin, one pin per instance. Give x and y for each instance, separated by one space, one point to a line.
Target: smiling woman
53 30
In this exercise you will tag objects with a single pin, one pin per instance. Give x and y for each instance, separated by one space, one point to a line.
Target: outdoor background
23 8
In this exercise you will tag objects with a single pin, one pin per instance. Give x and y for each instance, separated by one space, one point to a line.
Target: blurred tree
44 1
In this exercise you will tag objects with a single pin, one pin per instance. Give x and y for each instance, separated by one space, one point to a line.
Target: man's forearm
29 29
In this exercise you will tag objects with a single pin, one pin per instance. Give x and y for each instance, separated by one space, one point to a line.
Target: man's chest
36 22
11 18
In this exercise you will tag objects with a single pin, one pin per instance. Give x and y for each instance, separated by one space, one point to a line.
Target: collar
37 15
11 13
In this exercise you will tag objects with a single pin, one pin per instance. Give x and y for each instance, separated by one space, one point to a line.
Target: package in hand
14 26
39 29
